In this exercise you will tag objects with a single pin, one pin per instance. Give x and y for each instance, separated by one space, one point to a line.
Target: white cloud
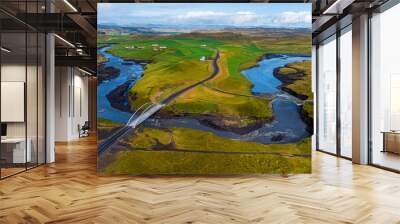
244 13
215 17
246 19
159 15
290 17
201 15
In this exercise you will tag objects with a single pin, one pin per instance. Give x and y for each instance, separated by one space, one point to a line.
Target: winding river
128 72
287 127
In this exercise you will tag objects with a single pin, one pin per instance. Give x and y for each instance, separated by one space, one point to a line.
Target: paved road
180 92
126 129
145 115
103 146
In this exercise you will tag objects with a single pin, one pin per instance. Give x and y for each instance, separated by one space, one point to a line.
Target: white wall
12 73
385 74
33 126
327 95
62 81
50 95
360 89
71 102
346 75
81 113
17 73
385 67
314 90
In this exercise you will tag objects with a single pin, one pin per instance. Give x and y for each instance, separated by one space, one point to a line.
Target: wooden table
391 141
14 150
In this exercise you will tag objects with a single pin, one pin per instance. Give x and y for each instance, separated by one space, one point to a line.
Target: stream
287 127
129 71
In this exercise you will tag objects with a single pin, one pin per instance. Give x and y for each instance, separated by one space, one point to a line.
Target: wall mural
204 88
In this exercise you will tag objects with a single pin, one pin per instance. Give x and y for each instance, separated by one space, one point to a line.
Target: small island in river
229 101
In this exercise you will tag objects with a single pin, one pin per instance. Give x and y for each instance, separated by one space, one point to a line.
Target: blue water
262 76
287 125
131 71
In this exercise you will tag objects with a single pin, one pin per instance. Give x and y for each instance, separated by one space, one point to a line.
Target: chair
84 130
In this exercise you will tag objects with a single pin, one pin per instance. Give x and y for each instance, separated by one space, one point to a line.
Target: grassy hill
175 64
299 85
165 152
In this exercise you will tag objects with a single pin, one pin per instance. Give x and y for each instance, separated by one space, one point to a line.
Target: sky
207 14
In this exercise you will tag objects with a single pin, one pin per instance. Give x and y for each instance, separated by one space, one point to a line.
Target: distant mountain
161 29
193 26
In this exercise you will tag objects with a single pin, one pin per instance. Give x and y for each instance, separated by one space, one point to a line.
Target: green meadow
166 152
173 63
302 85
177 65
106 127
191 139
186 163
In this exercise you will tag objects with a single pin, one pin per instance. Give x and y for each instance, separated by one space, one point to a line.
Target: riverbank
288 79
270 56
237 124
216 108
138 61
216 121
225 129
306 113
168 73
118 97
100 57
105 73
115 79
296 81
106 128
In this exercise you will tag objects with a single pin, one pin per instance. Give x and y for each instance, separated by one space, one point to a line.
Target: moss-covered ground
184 151
175 64
301 85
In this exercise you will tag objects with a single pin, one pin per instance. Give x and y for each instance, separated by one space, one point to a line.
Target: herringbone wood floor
70 191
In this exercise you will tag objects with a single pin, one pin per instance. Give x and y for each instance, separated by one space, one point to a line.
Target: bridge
134 121
149 109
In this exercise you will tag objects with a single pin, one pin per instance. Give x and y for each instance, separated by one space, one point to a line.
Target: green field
164 162
100 59
106 127
151 153
102 122
186 138
178 65
302 85
226 101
